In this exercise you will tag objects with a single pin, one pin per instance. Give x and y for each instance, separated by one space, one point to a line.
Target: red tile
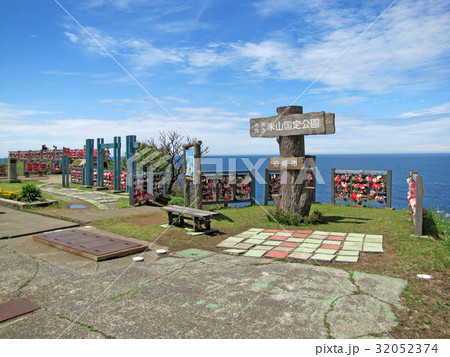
306 232
300 235
271 231
289 244
278 237
276 254
331 246
288 231
336 238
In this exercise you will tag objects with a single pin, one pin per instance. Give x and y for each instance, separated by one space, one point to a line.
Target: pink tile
278 237
336 238
271 231
276 254
331 246
305 232
300 235
289 244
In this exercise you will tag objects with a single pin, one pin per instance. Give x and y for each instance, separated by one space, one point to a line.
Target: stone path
302 244
95 198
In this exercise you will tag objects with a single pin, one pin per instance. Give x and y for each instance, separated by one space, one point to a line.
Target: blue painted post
65 170
89 166
131 147
100 162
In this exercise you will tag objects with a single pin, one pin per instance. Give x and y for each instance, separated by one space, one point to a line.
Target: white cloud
437 110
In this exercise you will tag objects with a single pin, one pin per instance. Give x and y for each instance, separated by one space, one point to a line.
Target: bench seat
200 217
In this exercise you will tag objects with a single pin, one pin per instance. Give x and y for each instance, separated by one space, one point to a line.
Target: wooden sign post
290 128
192 172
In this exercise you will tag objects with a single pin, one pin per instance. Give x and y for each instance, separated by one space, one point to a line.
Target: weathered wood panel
289 163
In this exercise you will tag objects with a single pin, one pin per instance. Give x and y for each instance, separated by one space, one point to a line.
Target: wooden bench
177 214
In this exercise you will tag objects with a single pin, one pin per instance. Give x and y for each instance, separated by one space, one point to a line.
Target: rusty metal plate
14 308
95 246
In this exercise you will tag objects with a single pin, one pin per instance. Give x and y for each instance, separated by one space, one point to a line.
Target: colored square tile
299 235
313 241
310 245
243 246
373 248
288 231
349 252
272 242
226 244
336 238
253 241
324 257
348 246
276 254
295 240
288 244
262 247
257 253
299 255
234 239
278 237
255 230
322 233
330 246
235 251
373 240
326 251
354 239
338 234
357 235
316 236
304 249
244 235
284 234
329 241
283 249
305 232
271 230
347 258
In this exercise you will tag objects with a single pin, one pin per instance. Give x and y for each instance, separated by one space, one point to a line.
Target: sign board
292 124
288 163
190 168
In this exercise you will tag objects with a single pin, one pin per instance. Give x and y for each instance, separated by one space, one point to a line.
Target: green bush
30 193
178 201
293 219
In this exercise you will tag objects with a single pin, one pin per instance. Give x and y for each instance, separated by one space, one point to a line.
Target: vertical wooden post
187 183
198 174
389 188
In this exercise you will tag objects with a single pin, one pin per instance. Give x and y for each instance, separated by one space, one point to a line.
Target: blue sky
204 68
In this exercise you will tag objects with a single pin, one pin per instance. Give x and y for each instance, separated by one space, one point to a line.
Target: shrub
437 226
293 219
31 193
178 201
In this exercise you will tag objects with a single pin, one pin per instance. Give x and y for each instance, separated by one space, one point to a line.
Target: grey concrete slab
194 296
15 223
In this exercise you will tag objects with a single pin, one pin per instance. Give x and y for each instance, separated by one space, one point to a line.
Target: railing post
333 188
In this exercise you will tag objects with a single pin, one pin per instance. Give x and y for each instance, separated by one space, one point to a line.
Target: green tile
257 253
295 240
349 252
304 250
316 237
322 233
324 257
339 234
347 258
335 242
353 239
254 230
352 246
373 240
243 246
284 249
226 244
254 241
313 241
373 248
234 239
299 255
283 234
244 235
310 245
326 251
272 242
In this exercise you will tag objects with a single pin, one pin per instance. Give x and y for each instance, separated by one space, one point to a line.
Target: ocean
435 169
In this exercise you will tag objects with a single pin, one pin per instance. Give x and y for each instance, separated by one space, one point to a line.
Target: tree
171 144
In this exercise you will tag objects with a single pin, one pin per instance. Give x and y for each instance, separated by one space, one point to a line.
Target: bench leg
207 224
170 218
197 224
